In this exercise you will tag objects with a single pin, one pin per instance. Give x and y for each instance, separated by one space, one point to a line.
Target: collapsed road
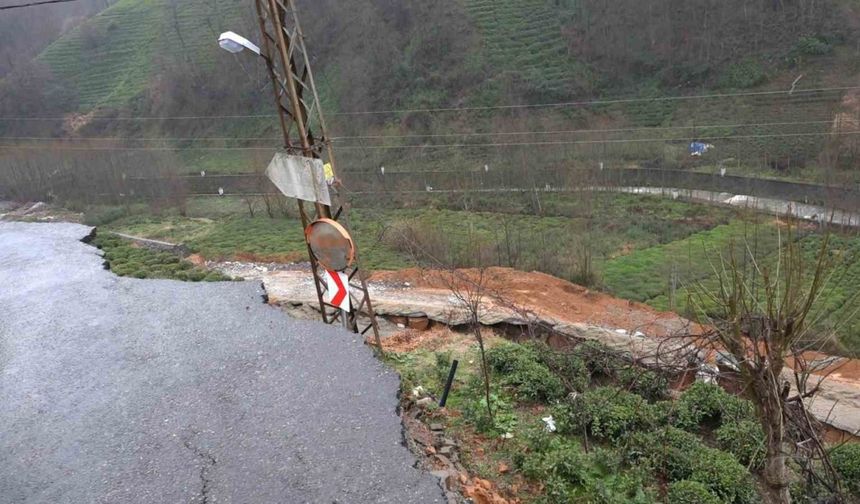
123 390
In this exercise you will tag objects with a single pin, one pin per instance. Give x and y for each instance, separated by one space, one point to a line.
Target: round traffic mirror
331 244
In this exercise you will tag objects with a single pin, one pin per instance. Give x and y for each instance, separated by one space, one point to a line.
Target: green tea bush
648 384
679 455
599 359
568 366
700 403
690 492
606 413
724 476
557 462
568 474
668 451
705 403
745 440
519 367
846 461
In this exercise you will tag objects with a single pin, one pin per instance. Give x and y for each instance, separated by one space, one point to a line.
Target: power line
457 146
34 4
464 109
436 135
594 102
603 141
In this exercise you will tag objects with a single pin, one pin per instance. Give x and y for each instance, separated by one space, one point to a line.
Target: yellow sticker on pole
329 172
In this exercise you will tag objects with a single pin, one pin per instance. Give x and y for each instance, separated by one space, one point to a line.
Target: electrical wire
34 4
458 146
614 101
432 135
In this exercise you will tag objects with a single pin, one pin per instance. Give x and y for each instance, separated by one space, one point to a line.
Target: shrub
724 476
669 451
599 359
570 368
846 461
475 410
196 275
556 460
745 440
607 413
813 46
690 492
648 384
700 403
519 367
746 74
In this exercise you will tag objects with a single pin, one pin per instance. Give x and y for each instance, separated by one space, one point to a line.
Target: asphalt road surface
116 390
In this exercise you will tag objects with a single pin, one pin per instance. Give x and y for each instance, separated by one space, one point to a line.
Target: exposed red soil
564 301
548 296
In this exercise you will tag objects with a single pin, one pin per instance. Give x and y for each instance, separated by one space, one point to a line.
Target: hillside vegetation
158 58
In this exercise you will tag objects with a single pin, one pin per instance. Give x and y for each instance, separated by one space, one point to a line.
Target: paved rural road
118 390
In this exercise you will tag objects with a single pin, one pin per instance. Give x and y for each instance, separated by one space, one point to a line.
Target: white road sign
299 177
337 289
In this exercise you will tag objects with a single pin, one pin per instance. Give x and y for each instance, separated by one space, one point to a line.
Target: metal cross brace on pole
304 130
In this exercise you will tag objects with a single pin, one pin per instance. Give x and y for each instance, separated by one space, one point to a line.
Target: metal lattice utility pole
304 130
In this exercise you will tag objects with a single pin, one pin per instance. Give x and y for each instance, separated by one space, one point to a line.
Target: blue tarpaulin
699 148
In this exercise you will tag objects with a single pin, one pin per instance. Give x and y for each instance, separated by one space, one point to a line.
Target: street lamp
231 42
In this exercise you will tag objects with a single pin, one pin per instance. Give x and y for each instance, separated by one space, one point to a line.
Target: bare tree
470 293
761 317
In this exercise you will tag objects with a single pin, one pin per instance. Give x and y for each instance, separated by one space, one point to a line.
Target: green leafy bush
813 46
679 455
743 439
569 367
557 460
568 474
599 359
846 461
124 259
690 492
648 384
519 367
669 451
724 476
475 410
606 413
746 74
700 403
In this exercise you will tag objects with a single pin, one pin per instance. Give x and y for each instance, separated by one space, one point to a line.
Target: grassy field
645 275
607 226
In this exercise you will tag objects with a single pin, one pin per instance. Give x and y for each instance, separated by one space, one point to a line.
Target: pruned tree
761 316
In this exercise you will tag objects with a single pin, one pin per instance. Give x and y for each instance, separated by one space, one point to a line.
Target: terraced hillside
112 59
522 38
